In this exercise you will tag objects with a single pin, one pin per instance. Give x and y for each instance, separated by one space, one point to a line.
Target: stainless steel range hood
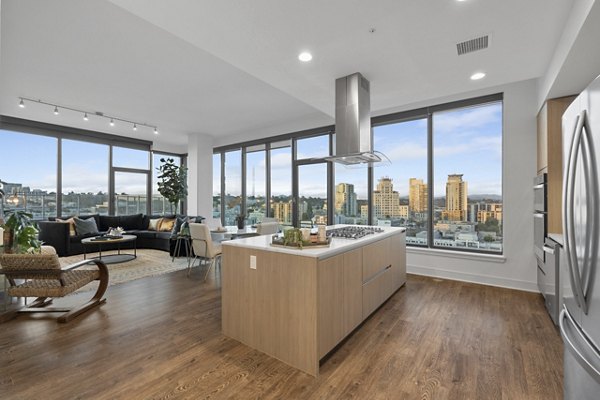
353 135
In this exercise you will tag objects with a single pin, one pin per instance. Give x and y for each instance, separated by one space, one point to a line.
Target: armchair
41 276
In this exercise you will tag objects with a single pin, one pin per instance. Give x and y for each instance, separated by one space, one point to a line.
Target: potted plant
21 233
240 220
173 182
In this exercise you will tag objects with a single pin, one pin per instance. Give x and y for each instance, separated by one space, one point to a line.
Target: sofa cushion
153 224
166 225
130 222
85 226
71 222
108 221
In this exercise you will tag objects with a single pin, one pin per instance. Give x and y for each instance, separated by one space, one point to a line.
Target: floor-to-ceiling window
312 180
256 184
442 182
216 196
37 161
350 201
28 165
131 174
85 181
281 182
400 195
233 186
467 171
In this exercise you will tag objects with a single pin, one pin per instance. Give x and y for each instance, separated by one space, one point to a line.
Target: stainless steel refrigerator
580 317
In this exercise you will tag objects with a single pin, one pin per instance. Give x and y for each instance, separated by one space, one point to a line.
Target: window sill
500 259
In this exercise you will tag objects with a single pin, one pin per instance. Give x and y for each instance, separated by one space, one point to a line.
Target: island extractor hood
353 135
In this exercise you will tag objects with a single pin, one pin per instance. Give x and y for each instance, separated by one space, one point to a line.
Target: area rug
148 263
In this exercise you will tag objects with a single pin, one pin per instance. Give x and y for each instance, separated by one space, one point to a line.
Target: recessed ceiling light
477 76
305 56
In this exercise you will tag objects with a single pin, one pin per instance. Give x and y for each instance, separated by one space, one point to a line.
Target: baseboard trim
472 278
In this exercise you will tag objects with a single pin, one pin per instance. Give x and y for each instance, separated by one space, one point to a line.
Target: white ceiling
224 68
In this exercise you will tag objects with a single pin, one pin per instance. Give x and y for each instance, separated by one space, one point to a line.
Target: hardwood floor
159 338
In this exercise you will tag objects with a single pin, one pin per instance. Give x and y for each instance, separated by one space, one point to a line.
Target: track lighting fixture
85 113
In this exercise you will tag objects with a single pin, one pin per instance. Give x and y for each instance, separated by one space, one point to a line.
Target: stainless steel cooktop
353 232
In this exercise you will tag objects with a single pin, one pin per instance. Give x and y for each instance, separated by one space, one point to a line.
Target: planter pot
8 238
240 224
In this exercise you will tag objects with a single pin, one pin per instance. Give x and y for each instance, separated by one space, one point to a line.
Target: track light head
85 117
155 130
112 122
134 127
21 104
55 110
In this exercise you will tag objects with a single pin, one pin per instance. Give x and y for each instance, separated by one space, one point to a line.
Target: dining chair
267 228
204 247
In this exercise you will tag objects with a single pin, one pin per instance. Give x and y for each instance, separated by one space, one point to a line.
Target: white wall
517 268
200 153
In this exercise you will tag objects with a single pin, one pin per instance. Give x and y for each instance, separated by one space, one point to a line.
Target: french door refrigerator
580 317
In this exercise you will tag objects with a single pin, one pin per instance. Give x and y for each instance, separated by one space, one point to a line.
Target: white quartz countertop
338 245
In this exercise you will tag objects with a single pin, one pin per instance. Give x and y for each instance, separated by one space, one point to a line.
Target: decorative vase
240 223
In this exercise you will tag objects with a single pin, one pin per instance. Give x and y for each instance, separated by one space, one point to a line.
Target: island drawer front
376 258
377 290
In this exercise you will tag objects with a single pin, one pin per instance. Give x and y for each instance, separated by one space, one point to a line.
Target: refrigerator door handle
568 200
591 176
569 343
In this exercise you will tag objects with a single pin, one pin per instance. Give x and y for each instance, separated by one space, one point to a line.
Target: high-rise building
417 196
386 201
282 210
345 199
489 211
456 199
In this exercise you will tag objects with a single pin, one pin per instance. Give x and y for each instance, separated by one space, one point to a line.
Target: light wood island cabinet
298 305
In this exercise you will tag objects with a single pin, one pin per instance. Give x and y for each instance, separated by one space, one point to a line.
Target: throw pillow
166 224
153 224
71 223
85 226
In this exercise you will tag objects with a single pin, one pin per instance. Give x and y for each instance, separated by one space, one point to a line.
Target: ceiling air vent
472 45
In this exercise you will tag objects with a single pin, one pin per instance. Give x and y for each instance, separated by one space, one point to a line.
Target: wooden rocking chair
42 277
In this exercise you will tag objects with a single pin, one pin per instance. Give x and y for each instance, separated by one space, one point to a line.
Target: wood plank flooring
160 338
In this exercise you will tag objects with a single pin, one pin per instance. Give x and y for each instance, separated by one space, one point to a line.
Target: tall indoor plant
172 183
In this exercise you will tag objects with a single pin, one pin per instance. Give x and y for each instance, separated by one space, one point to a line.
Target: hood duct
353 134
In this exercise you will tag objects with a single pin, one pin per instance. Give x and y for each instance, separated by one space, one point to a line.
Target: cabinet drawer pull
377 274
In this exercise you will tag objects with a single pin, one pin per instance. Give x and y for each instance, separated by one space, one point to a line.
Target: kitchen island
297 305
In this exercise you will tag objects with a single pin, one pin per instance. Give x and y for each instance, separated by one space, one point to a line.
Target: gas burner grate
353 232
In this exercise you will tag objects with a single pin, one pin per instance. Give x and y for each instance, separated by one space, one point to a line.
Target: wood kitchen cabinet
549 156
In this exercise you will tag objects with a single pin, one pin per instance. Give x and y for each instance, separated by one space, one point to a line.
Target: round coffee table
111 258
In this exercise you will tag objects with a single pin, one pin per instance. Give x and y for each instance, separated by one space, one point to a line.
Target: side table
187 247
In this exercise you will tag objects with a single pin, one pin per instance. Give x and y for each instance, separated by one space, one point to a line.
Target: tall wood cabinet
549 155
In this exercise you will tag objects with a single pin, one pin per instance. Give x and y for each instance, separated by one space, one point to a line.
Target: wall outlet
253 262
